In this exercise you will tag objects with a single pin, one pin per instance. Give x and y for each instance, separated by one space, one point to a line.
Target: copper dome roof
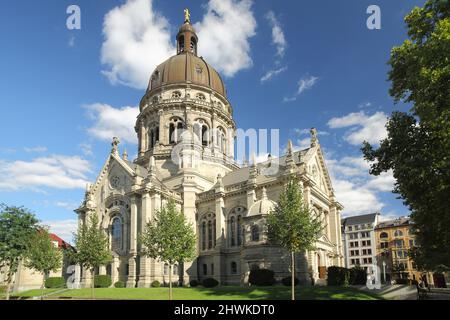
186 67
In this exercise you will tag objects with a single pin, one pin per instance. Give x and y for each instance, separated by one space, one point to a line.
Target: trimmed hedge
261 277
210 283
119 284
55 282
339 276
193 283
287 281
155 284
102 281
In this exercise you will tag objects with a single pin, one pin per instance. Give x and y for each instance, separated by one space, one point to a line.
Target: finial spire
289 147
125 155
187 16
115 145
313 137
264 193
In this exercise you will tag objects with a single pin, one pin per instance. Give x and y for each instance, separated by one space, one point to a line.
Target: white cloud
66 205
224 35
278 38
56 171
304 84
355 188
112 122
272 73
137 39
86 148
362 126
38 149
63 228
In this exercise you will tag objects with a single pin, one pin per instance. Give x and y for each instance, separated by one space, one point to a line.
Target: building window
233 232
176 95
212 268
175 269
239 230
399 243
383 235
166 269
221 139
205 269
255 233
384 245
412 243
116 234
203 235
175 130
233 267
200 96
210 235
398 233
201 131
365 234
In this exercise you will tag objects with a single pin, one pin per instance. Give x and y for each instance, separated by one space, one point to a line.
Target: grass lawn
218 293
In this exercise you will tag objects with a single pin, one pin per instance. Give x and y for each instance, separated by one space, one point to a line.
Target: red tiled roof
61 242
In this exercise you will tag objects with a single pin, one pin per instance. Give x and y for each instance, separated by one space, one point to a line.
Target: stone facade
186 136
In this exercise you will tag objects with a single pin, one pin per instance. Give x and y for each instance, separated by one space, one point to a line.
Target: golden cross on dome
187 16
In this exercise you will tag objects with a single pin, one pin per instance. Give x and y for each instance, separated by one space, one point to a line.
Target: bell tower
187 38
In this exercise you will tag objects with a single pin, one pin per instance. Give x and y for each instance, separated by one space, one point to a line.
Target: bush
193 283
287 281
155 284
261 277
210 283
102 281
358 276
338 276
119 284
55 282
2 290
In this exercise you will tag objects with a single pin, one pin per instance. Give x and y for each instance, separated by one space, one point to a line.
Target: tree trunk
42 287
8 289
170 281
292 275
92 283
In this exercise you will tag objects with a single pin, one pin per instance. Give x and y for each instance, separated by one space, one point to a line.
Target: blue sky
290 65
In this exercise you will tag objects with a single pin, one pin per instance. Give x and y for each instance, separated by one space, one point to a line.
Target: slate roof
361 219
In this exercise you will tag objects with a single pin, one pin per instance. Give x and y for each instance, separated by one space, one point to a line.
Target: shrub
261 277
102 281
155 284
55 282
358 276
119 284
193 283
338 276
2 290
287 281
210 283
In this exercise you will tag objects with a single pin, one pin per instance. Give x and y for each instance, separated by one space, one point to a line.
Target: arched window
193 46
175 130
176 95
255 233
153 137
239 230
180 44
398 233
210 234
233 231
203 235
175 269
221 139
116 234
166 269
214 231
202 132
233 267
383 235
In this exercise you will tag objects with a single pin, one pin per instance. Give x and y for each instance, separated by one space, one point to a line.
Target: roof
61 242
183 68
361 219
242 174
401 221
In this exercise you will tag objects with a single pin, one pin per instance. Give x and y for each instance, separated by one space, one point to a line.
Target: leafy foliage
17 226
210 283
169 238
119 284
417 148
261 277
42 255
55 282
92 245
155 284
292 225
102 281
193 283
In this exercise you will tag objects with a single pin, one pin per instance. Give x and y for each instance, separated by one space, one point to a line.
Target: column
144 270
219 272
131 281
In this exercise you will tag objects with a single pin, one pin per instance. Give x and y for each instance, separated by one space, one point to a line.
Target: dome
263 206
186 67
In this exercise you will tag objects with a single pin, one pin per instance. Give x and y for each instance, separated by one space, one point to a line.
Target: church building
186 132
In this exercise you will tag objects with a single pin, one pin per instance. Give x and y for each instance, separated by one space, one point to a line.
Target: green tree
169 238
293 226
43 256
17 226
92 247
417 148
